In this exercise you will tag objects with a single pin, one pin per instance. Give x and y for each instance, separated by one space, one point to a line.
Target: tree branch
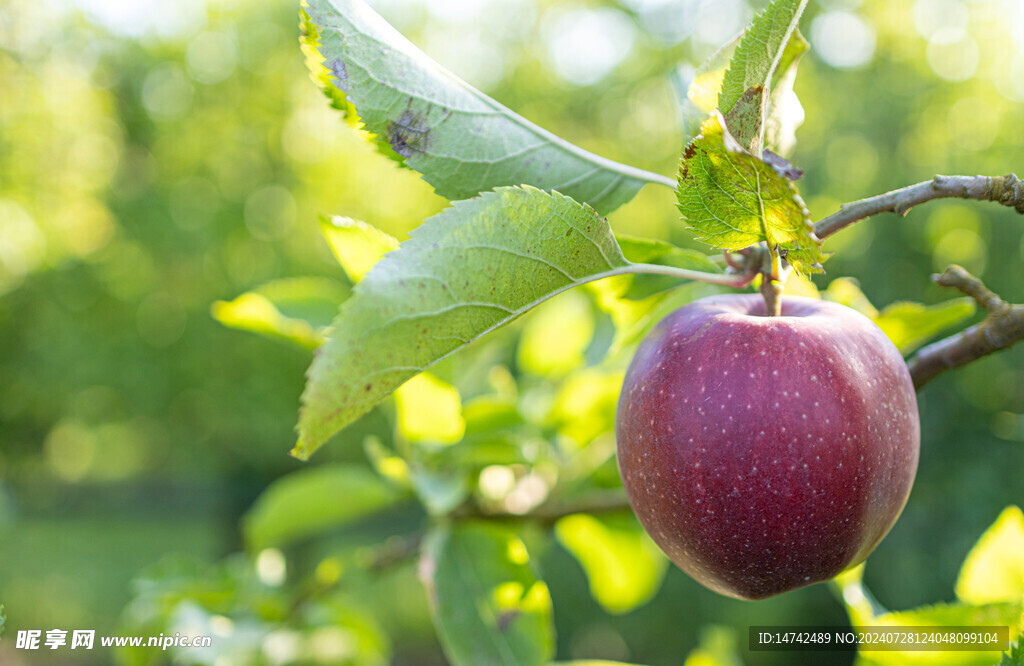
1001 329
597 501
1006 190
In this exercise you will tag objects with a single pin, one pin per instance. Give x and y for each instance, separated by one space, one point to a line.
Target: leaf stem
1007 190
738 280
1001 329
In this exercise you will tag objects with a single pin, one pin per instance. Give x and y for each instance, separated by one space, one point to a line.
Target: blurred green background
158 156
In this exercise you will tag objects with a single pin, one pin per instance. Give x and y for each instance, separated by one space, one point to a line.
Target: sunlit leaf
1015 655
846 291
910 325
387 463
652 251
488 605
356 245
585 404
624 567
429 410
295 310
718 647
785 113
702 90
994 569
733 199
555 337
946 615
462 141
464 272
766 44
312 501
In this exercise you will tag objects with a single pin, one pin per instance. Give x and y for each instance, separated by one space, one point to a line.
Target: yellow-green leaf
624 567
994 569
910 325
311 501
356 245
295 310
429 410
732 199
488 605
556 335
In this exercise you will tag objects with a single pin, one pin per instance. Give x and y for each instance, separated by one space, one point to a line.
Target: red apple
763 454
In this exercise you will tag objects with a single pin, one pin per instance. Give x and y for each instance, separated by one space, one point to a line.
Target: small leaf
910 325
1015 655
625 568
463 273
356 245
462 141
652 251
846 291
718 647
785 113
295 310
946 615
994 569
733 200
643 250
311 501
702 90
488 605
766 44
429 410
645 285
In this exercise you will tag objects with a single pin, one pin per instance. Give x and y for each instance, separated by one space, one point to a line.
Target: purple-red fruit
763 454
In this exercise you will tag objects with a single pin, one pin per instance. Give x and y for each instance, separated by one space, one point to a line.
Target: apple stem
771 291
774 270
1006 190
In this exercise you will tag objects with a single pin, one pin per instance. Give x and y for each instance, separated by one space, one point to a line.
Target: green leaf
994 569
624 567
910 325
1015 655
356 245
785 113
429 410
733 200
556 335
311 501
462 141
488 605
463 273
658 252
846 291
702 90
295 310
646 285
765 46
945 615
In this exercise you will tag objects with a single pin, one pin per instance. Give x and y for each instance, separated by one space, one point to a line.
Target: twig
598 501
1006 190
1001 329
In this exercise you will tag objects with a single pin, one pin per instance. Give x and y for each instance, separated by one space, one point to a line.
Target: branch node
958 278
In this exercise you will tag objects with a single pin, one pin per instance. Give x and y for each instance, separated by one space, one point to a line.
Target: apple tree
767 439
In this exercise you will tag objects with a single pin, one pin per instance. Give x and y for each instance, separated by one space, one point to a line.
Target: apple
764 454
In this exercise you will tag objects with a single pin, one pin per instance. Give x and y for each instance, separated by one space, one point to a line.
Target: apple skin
764 454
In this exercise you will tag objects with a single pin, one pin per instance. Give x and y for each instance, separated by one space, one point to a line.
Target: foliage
146 175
